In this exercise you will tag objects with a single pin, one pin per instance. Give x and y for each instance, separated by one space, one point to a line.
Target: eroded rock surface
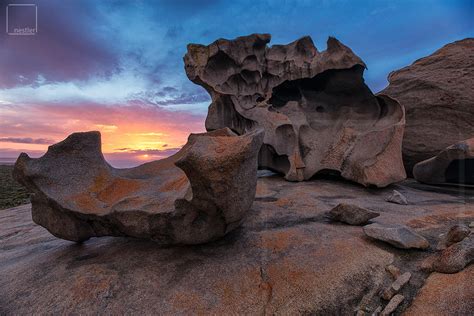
437 94
454 164
285 258
316 110
445 294
197 195
454 258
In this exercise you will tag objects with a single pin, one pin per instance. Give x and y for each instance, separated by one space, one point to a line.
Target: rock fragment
351 214
397 198
397 235
377 311
392 305
317 112
396 286
197 195
393 270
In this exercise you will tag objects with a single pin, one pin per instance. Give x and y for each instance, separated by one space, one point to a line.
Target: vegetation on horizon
11 192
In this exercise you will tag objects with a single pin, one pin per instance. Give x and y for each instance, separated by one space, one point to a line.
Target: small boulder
351 214
454 258
397 198
455 234
397 235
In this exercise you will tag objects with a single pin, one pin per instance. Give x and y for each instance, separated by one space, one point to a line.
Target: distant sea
7 161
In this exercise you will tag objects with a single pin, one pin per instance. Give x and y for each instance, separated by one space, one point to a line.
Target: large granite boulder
437 94
316 110
454 164
197 195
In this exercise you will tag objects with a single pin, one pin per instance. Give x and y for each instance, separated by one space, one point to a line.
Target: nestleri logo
22 19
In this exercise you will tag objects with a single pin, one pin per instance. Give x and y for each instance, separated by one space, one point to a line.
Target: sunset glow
116 66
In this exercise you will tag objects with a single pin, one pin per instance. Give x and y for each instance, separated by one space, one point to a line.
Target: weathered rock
454 164
316 110
351 214
285 258
197 195
396 235
393 270
392 305
397 198
437 94
396 286
377 311
454 258
455 234
445 294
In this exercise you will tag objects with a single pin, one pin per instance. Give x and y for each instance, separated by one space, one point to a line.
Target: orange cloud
131 134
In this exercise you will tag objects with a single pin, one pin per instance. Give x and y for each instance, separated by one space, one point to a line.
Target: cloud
132 133
27 140
66 47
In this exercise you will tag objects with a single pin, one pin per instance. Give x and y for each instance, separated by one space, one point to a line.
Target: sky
117 67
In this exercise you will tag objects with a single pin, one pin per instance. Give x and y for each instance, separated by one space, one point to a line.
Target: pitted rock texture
286 258
454 164
445 294
316 110
197 195
437 94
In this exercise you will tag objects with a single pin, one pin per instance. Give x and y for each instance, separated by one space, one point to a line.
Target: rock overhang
316 110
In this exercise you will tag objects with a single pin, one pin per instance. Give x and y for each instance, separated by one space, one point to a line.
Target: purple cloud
27 140
65 47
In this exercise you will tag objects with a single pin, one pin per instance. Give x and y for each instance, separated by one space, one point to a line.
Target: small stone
393 270
397 235
351 214
397 198
392 305
360 313
377 311
396 286
471 225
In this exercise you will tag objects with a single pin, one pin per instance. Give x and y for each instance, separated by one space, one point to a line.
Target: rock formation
437 94
315 108
285 258
455 164
197 195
